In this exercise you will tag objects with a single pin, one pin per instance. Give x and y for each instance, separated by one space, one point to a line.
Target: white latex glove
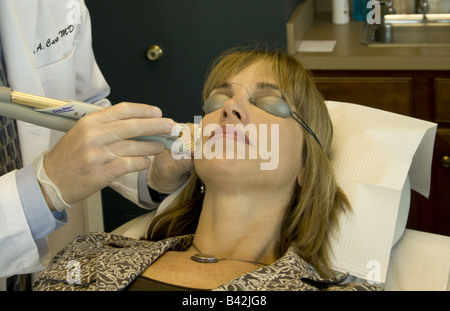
167 173
98 149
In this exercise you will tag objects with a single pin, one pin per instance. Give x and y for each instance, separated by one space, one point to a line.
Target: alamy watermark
73 15
374 274
374 15
233 141
74 273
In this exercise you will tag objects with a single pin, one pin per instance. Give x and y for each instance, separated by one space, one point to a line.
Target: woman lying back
235 226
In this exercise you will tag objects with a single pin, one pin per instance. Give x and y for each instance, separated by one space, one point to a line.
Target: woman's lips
230 131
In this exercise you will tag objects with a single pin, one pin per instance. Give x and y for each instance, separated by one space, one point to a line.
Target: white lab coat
47 51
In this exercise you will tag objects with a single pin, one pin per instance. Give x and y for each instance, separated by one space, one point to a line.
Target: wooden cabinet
396 92
433 214
442 100
420 94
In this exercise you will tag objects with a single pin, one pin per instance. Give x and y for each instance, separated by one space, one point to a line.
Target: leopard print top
106 262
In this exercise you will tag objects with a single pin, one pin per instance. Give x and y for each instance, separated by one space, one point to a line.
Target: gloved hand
98 149
168 172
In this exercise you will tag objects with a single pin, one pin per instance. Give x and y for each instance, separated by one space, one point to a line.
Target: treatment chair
378 158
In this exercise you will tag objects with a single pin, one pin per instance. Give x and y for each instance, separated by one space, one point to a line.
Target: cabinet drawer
442 100
390 94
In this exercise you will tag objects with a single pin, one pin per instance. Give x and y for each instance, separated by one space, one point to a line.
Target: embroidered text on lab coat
55 39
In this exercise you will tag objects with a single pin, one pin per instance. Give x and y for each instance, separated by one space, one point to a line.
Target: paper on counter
420 261
372 154
316 46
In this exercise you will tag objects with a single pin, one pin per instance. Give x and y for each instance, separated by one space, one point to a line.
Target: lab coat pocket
59 78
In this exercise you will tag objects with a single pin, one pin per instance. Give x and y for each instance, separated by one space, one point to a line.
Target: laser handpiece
62 115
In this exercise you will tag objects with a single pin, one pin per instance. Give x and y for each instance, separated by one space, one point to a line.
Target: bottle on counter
360 10
340 12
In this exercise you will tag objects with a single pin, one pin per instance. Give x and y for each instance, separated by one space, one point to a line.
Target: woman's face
244 145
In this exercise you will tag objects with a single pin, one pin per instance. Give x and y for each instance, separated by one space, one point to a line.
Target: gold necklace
208 258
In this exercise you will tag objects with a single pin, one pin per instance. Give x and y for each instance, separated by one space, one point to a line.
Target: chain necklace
208 258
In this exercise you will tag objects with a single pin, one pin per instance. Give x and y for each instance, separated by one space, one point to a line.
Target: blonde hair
313 213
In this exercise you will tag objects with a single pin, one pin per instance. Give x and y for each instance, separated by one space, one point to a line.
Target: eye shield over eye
272 104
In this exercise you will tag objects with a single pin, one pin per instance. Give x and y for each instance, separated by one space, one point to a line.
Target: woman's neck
240 224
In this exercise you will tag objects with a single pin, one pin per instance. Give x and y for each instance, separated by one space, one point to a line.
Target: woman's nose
235 110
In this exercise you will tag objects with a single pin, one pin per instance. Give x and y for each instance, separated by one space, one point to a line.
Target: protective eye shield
272 104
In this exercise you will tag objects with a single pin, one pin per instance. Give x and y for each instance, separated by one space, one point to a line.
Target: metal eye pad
271 104
214 102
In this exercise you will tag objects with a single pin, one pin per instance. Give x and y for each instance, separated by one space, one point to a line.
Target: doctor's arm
95 152
167 174
99 149
25 219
